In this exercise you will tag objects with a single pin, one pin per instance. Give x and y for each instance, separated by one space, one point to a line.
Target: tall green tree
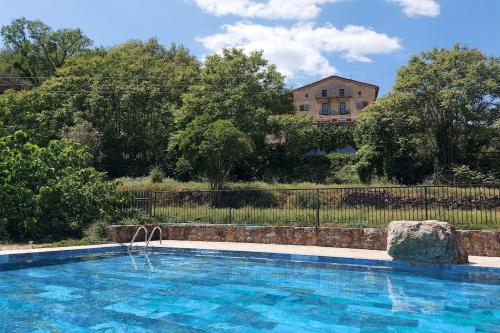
212 150
34 51
290 141
440 112
241 88
126 93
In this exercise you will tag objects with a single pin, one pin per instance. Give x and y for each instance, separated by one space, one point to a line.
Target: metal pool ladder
151 236
136 234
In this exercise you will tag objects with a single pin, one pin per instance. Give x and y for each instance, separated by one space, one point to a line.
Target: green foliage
121 99
35 51
77 242
335 136
441 112
51 193
4 236
463 174
292 135
84 134
9 80
343 169
240 88
212 150
156 175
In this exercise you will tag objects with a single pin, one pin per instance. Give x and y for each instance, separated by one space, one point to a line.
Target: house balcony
345 112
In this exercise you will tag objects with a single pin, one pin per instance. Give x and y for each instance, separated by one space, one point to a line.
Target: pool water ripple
178 292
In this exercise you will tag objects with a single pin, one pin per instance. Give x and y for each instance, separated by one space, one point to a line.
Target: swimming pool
213 291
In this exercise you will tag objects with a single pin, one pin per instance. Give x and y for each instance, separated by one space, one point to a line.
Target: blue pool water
183 292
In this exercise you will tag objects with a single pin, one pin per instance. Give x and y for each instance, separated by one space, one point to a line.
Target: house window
304 107
359 93
324 93
307 95
342 108
341 92
361 105
324 109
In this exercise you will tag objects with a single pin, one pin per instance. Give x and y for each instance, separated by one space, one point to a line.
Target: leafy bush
463 174
343 169
50 193
156 175
99 229
346 175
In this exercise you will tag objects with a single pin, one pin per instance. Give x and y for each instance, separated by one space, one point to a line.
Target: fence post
317 209
153 202
425 203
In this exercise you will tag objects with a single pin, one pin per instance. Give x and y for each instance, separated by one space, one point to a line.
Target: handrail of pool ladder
151 236
137 233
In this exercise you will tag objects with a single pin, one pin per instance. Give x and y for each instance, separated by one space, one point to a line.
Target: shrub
156 175
342 166
51 193
99 229
463 174
346 175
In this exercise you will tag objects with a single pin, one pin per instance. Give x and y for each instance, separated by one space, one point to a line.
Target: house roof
339 78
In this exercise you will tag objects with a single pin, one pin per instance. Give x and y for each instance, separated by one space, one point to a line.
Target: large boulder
425 241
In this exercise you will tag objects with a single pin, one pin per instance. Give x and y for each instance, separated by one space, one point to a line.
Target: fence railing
471 206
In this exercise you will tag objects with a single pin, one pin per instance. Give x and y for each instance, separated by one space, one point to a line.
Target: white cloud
300 49
418 7
269 9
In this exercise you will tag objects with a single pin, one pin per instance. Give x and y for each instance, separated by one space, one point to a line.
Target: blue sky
367 40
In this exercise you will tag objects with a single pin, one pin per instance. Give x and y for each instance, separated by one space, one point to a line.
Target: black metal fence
471 206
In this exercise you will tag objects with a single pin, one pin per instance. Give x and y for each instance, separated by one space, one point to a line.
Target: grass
347 217
168 184
76 242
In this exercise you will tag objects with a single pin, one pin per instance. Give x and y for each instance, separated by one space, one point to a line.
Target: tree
389 145
127 94
11 81
242 88
290 141
212 150
332 137
34 51
440 112
84 134
27 111
49 193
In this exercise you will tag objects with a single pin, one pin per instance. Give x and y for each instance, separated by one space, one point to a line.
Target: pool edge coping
252 250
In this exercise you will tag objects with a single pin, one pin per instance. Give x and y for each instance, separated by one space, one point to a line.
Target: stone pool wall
476 242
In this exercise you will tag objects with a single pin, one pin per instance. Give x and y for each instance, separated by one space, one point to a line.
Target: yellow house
335 99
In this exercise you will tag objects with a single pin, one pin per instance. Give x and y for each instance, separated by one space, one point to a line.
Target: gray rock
425 241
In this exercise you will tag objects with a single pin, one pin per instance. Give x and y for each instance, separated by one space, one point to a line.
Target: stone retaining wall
476 242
